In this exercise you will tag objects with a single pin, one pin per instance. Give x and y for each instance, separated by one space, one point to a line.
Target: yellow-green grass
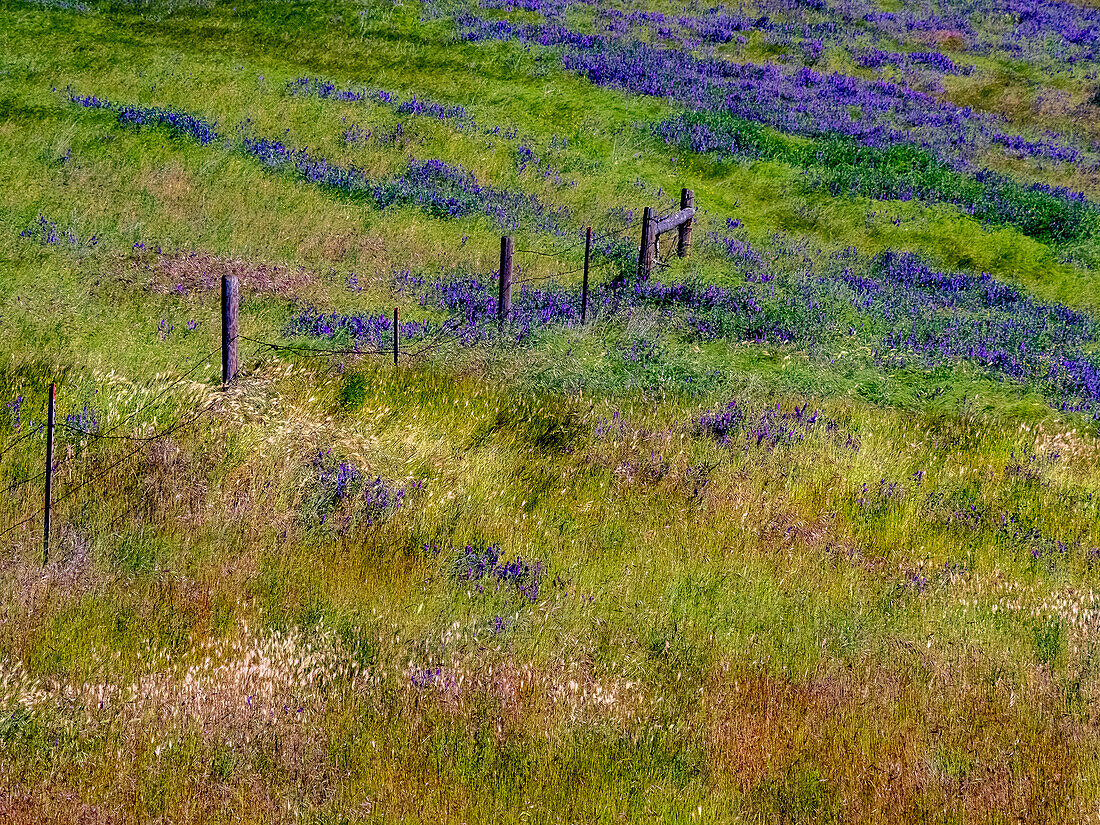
761 647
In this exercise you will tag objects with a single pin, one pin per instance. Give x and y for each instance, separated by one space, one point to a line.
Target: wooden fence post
645 250
687 201
504 301
584 283
395 336
229 329
49 477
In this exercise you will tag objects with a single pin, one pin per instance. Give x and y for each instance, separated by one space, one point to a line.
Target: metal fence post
504 301
49 476
584 283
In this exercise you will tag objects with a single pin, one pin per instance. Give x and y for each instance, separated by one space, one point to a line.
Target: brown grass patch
174 188
188 272
947 39
335 247
898 743
52 805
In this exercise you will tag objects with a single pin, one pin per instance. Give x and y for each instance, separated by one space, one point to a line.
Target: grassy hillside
804 528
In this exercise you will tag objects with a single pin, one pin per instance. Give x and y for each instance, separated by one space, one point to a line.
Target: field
805 527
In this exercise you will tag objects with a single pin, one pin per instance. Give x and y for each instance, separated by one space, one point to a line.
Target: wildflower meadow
801 524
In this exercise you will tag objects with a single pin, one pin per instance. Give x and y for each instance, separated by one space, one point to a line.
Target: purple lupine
473 564
798 100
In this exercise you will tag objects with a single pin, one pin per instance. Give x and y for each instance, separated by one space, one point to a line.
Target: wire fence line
198 365
18 439
446 333
94 436
181 422
176 426
57 465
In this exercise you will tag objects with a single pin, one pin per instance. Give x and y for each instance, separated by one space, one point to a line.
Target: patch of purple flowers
798 100
907 311
85 420
46 233
342 489
844 168
327 90
735 426
175 121
419 106
475 564
424 677
15 415
875 58
433 186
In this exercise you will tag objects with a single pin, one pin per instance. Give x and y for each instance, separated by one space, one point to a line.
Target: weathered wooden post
645 250
49 476
395 336
229 329
687 201
584 283
504 301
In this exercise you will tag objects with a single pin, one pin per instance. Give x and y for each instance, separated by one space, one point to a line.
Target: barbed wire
57 465
141 500
200 363
18 524
21 438
315 352
540 254
552 275
175 427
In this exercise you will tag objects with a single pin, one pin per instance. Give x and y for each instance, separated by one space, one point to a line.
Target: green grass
721 633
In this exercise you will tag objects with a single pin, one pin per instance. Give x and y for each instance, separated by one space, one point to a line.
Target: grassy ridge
884 614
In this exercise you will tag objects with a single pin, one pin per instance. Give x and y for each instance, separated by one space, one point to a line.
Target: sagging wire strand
108 433
93 436
179 424
57 465
443 335
602 239
21 438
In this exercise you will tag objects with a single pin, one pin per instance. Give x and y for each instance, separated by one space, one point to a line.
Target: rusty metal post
395 336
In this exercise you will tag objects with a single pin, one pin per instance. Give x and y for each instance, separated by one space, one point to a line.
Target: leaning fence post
229 329
645 250
584 283
395 336
687 201
504 301
49 477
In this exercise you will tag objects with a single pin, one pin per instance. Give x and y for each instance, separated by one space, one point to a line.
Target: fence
111 434
652 229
